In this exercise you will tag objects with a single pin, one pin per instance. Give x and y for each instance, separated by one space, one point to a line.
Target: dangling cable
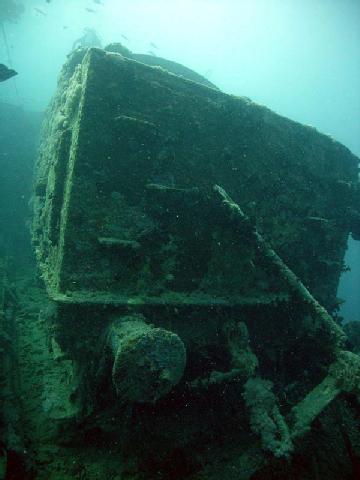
7 49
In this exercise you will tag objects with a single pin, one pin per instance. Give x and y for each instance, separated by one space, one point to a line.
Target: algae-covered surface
129 155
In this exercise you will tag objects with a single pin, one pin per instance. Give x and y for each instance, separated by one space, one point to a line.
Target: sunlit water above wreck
301 59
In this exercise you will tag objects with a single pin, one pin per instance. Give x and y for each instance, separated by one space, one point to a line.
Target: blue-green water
181 377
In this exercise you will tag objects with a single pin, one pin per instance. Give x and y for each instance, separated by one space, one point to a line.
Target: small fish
41 12
6 73
99 2
91 10
124 37
152 44
65 27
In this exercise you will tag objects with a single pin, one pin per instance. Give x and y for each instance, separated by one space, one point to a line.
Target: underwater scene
179 240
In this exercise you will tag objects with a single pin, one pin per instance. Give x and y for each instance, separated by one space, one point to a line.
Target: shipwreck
191 244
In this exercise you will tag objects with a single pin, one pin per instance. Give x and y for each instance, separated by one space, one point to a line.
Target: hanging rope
7 49
9 61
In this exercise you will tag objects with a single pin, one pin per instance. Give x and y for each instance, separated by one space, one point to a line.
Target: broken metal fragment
6 73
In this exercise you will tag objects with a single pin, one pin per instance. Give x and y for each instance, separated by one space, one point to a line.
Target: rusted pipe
148 361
